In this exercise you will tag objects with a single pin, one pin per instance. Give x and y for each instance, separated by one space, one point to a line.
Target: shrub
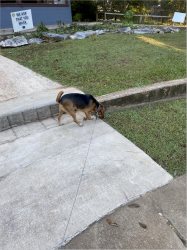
128 17
77 17
41 28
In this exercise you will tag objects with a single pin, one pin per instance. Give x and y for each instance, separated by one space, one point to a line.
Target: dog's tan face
101 111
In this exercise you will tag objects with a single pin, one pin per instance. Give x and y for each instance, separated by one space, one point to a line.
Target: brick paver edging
157 91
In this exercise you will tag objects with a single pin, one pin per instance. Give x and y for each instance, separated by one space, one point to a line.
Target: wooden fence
141 18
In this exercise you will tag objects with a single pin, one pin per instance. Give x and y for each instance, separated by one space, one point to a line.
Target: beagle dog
72 102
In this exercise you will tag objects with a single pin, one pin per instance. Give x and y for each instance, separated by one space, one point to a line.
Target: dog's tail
59 96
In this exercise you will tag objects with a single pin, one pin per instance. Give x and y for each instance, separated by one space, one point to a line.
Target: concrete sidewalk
56 181
17 80
155 221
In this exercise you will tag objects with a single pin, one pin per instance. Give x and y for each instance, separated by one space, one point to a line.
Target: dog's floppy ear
102 107
101 111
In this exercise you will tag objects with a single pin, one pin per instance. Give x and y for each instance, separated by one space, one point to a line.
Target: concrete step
30 108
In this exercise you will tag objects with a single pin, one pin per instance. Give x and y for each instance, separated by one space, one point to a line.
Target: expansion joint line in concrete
80 180
171 225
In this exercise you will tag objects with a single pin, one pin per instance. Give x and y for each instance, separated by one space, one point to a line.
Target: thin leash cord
80 180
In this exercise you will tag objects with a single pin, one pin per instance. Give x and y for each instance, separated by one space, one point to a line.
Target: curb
155 92
151 93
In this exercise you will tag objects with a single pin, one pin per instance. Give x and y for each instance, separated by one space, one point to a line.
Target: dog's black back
81 101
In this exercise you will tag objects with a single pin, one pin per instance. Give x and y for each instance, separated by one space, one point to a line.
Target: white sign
22 20
179 17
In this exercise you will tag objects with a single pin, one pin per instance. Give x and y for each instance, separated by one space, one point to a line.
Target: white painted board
22 20
179 17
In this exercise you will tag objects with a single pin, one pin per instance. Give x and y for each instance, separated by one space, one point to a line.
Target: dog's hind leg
61 112
71 110
59 116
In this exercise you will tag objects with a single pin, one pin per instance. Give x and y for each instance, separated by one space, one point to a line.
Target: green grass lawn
158 129
108 63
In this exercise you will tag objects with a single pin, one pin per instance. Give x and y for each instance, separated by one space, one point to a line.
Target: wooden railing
141 17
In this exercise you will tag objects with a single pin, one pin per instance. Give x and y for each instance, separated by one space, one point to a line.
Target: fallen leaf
142 225
111 223
114 224
134 205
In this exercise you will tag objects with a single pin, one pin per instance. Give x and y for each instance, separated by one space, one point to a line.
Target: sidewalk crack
177 232
171 225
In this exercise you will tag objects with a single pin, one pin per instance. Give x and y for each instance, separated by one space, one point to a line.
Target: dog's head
101 111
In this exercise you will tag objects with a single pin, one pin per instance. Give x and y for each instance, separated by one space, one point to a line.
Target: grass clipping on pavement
158 129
